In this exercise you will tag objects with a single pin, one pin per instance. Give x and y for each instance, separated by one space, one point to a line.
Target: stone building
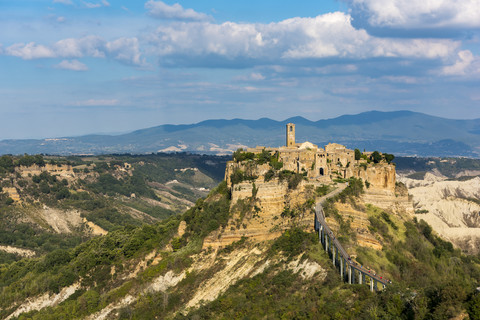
308 158
321 164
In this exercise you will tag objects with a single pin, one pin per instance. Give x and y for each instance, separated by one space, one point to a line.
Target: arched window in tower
321 172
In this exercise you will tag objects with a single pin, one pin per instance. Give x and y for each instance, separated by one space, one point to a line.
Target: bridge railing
348 268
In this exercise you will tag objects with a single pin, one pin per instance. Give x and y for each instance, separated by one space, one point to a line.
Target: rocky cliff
452 208
263 210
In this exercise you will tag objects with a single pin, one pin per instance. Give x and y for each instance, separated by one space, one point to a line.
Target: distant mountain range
399 132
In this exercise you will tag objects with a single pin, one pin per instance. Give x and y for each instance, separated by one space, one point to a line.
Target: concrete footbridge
349 270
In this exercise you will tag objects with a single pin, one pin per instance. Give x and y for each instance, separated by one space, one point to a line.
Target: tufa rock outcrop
274 188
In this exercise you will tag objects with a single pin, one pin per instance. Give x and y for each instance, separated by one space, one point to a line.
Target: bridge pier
333 256
341 268
371 284
349 275
360 277
353 275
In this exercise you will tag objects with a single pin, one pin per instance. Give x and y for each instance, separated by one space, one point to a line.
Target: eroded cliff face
257 211
378 177
358 222
452 208
263 209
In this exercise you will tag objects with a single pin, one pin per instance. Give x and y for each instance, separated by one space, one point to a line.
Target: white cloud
466 64
61 19
125 50
326 36
254 76
74 65
92 5
257 76
428 14
67 2
402 79
97 103
161 10
29 51
92 46
331 69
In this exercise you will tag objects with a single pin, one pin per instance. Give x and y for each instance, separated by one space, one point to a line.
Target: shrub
293 242
240 155
237 176
321 191
269 175
263 157
294 181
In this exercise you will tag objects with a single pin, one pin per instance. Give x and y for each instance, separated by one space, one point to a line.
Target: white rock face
46 300
453 208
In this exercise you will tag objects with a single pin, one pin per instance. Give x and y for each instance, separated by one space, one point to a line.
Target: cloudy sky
71 67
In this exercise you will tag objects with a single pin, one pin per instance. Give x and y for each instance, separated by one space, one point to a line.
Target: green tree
388 157
473 307
263 157
358 154
376 157
6 162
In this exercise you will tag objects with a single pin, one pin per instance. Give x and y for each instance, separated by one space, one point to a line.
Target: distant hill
400 132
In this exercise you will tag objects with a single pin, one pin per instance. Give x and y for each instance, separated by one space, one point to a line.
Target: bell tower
290 135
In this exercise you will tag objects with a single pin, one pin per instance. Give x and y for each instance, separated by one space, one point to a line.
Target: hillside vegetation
49 203
160 271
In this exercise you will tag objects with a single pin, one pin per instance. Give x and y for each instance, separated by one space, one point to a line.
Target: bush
240 155
293 242
269 175
263 157
239 175
207 216
294 181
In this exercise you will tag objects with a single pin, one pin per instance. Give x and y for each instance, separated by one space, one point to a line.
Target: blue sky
72 67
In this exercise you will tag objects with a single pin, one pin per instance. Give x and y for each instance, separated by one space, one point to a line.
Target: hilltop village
334 161
284 182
